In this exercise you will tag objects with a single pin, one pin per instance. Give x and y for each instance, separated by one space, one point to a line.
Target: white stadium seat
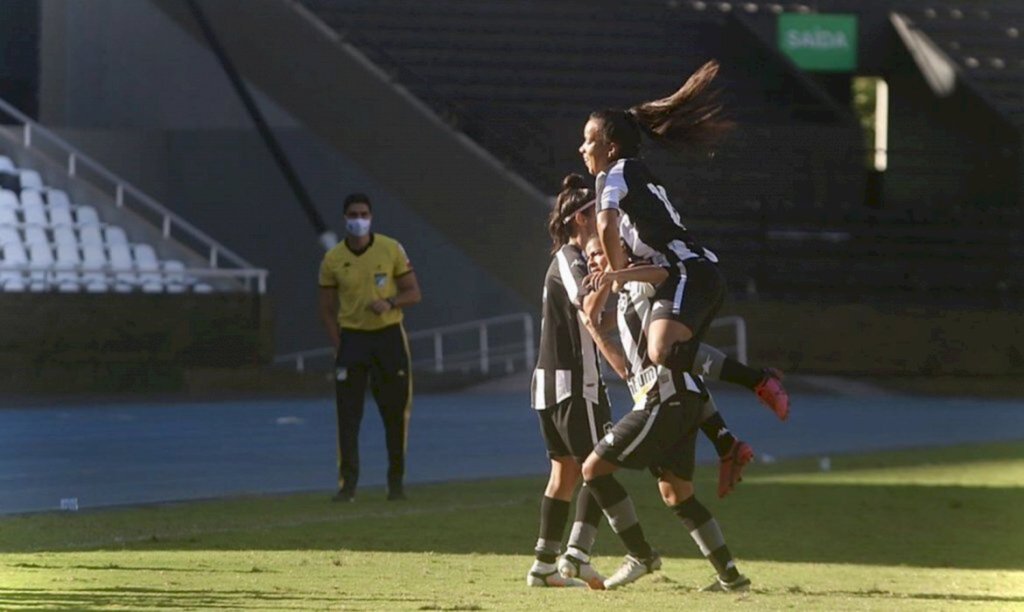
7 216
65 235
60 216
57 199
9 235
121 263
67 263
115 235
9 199
35 234
174 276
39 255
148 267
6 165
93 256
12 280
32 208
30 179
90 234
86 214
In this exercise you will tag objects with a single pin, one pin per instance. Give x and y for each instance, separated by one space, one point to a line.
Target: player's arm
606 337
649 273
594 303
328 307
611 242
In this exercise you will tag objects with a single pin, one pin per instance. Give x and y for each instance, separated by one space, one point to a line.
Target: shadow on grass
143 598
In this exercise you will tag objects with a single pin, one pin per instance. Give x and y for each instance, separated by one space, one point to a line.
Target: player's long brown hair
575 195
692 116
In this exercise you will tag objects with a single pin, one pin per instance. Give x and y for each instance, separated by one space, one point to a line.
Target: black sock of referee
705 532
715 429
738 374
618 508
553 515
584 527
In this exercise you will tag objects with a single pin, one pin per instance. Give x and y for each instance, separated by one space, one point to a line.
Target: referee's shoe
344 495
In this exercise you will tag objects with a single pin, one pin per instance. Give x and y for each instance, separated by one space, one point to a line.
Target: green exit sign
824 43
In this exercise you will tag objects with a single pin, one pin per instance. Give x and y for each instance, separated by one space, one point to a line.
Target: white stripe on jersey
538 389
677 300
594 437
683 252
629 235
611 187
591 375
565 271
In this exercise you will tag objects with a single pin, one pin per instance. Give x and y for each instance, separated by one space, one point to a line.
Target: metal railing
478 345
125 195
740 329
486 353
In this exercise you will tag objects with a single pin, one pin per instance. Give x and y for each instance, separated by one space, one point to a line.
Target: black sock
708 536
553 515
618 507
715 429
738 374
588 516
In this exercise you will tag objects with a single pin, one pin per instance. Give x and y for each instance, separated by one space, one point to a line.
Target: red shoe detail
730 468
772 394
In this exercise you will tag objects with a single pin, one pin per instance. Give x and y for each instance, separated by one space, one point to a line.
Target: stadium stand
786 199
52 241
67 247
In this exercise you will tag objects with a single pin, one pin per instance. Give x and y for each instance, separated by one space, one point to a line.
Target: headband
566 218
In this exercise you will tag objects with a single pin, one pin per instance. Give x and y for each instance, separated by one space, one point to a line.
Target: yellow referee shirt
364 277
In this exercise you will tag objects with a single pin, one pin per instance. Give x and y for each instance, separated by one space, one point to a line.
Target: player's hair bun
573 181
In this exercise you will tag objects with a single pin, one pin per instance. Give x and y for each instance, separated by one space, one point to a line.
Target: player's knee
591 468
674 490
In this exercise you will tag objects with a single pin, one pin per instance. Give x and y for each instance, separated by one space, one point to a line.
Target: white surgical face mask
357 227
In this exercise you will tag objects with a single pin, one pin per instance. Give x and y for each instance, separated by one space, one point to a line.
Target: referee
365 282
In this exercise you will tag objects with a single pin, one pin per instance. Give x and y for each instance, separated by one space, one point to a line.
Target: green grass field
914 530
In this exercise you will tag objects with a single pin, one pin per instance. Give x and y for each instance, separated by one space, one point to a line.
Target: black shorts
573 426
692 294
661 437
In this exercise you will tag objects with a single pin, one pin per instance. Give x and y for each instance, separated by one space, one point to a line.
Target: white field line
117 540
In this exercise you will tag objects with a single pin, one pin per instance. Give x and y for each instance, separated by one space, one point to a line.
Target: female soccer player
567 390
634 207
658 434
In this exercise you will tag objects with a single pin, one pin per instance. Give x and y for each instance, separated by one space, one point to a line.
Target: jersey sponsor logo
609 439
379 279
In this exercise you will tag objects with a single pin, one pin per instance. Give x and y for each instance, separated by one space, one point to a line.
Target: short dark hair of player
575 195
356 198
690 116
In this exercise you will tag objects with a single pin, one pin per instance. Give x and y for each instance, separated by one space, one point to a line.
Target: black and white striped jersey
634 315
567 363
648 222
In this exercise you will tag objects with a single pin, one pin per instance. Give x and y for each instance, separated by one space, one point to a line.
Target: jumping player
634 207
